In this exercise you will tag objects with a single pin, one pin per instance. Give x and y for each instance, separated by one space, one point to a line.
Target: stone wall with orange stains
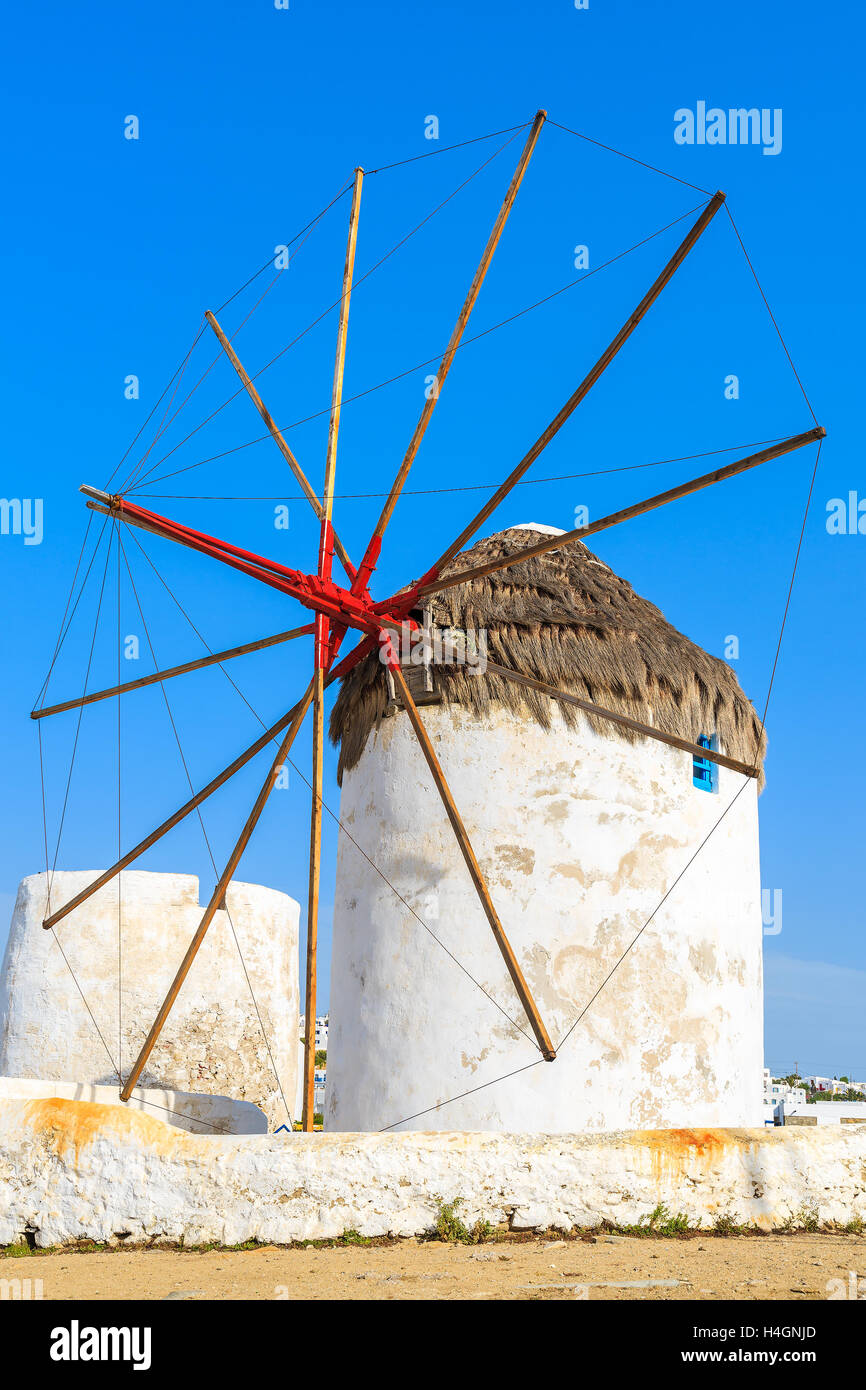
72 1170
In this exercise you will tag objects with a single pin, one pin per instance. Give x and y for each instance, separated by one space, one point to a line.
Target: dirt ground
787 1267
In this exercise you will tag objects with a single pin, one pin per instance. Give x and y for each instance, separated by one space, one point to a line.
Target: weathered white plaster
212 1042
71 1170
196 1113
580 837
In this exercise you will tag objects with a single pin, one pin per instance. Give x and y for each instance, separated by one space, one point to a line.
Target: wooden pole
340 358
334 674
173 820
217 898
589 707
158 676
276 576
368 563
306 485
589 380
474 868
309 1087
729 470
321 661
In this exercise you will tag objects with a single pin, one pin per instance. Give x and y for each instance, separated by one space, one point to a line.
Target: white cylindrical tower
584 836
69 1024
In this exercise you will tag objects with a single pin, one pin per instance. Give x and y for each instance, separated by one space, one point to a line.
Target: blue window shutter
703 771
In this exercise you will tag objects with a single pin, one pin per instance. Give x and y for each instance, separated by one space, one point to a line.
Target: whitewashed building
321 1031
781 1100
584 833
213 1041
830 1084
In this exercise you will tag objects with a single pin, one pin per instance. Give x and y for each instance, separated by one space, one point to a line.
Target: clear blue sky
251 118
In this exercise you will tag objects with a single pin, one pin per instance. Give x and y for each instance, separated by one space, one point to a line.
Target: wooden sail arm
323 654
335 674
324 597
697 750
368 563
660 499
305 484
585 386
217 898
530 1007
213 659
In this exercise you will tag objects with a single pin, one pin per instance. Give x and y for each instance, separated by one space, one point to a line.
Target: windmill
344 608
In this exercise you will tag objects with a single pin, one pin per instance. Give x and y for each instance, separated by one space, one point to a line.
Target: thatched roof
566 619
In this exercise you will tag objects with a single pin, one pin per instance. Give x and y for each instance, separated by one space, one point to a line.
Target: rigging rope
466 487
359 281
119 822
201 329
325 805
462 1096
418 366
61 635
759 735
80 713
633 158
150 472
446 149
204 834
770 312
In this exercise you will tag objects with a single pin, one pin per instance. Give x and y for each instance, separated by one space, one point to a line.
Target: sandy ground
788 1267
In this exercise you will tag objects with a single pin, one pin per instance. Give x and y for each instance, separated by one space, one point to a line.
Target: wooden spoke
308 1111
322 657
368 563
697 750
159 676
306 485
473 866
340 359
729 470
217 899
335 674
588 382
173 820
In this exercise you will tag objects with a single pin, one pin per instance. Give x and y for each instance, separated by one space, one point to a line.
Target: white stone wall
71 1171
213 1040
193 1112
580 836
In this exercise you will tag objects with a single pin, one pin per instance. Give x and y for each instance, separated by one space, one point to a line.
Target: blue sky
251 118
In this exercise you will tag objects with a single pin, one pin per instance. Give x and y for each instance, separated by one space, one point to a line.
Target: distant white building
837 1112
320 1072
780 1099
829 1084
321 1031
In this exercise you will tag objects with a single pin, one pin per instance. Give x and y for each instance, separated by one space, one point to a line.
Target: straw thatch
566 619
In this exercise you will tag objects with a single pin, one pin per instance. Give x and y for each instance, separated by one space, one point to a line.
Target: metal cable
622 154
389 381
359 281
333 815
468 487
770 312
205 836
